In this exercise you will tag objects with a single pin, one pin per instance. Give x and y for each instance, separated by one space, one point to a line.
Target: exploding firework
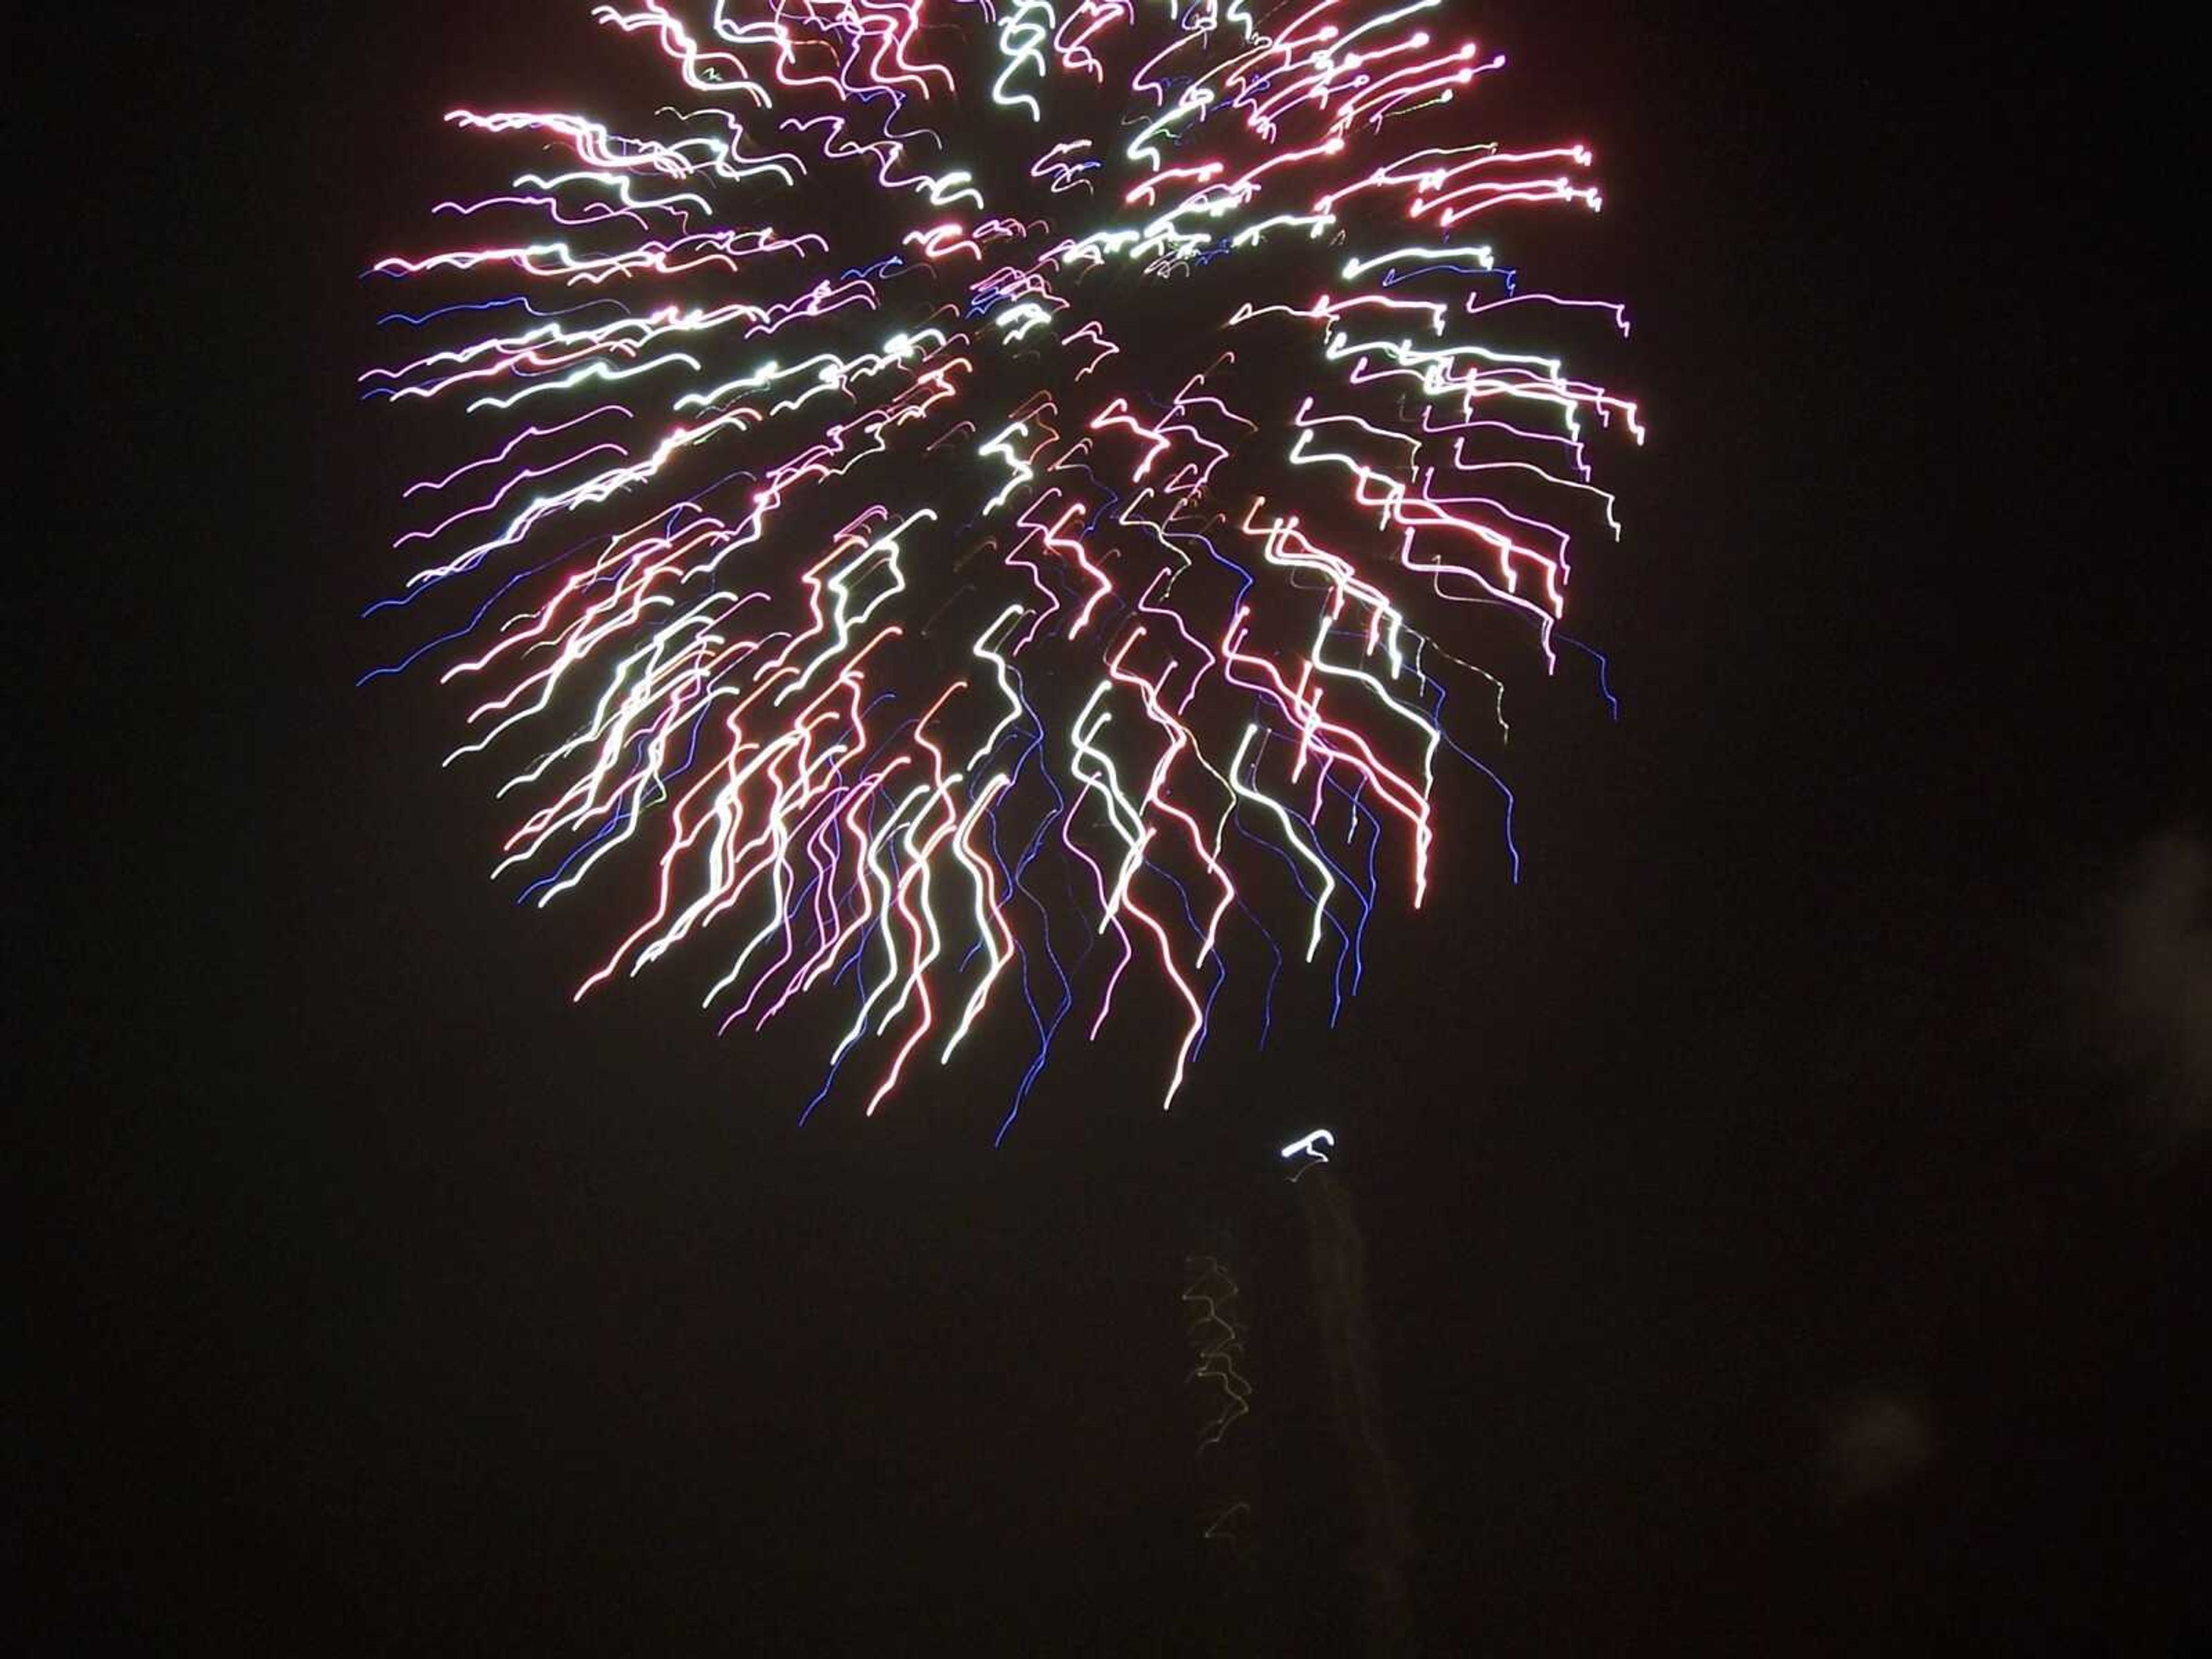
984 505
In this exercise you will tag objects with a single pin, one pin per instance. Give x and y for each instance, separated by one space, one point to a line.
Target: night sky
1773 1218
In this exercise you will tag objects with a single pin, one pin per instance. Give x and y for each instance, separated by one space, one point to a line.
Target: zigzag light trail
1024 456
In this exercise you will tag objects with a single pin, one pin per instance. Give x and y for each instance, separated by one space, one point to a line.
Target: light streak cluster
972 495
1220 1344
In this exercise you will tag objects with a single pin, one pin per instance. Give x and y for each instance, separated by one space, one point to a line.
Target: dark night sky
1766 1248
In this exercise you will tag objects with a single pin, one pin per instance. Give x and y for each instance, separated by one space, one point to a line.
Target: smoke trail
2148 981
1338 1258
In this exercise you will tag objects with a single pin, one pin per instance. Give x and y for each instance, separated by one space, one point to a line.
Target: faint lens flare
1874 1441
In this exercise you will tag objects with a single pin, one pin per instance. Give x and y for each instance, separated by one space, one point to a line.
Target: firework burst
977 498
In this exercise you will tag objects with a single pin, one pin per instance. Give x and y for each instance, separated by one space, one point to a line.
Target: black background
381 1300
